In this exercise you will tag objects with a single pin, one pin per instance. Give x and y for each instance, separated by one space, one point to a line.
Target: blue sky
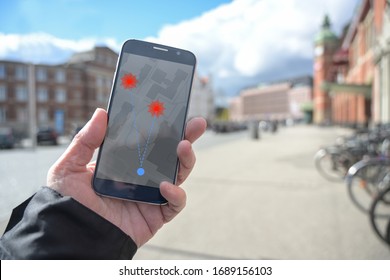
76 19
238 43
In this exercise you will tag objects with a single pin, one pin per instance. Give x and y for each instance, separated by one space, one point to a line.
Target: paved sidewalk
264 199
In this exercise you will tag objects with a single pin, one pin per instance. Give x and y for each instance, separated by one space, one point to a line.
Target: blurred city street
263 199
23 172
247 199
302 84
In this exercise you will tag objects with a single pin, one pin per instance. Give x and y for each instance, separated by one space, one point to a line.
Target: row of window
43 115
21 94
41 74
364 39
22 115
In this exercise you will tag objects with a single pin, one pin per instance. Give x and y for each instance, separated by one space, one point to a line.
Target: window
42 94
369 31
60 95
21 93
3 115
43 115
99 81
2 71
3 93
60 76
21 114
21 72
353 52
108 82
340 77
100 96
41 74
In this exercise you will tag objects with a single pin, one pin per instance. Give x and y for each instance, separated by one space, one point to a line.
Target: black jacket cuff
50 226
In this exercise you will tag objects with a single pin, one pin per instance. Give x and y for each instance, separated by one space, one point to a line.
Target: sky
238 43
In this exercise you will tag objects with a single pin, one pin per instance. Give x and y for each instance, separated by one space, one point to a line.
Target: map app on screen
147 113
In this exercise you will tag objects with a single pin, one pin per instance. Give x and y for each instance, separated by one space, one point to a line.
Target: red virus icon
129 81
156 108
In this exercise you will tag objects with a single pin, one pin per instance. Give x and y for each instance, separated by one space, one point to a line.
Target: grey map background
130 121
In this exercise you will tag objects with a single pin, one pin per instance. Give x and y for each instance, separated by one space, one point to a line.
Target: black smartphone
146 121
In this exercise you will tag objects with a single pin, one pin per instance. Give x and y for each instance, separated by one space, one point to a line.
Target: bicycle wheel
333 166
380 221
364 181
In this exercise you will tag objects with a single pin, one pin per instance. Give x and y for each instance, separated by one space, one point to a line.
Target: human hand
71 175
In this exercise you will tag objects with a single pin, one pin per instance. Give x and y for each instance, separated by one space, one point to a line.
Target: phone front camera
178 53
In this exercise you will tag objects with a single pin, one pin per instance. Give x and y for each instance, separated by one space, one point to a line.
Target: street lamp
32 107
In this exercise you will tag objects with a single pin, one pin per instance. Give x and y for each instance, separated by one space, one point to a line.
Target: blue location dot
140 171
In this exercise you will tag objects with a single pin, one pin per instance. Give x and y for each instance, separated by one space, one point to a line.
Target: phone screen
147 113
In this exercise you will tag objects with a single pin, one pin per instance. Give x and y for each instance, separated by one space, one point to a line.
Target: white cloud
45 48
240 44
245 39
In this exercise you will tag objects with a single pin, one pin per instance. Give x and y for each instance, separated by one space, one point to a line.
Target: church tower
326 44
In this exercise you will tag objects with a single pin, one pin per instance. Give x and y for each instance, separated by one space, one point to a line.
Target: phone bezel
130 191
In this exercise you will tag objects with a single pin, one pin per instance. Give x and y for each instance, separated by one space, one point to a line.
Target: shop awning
356 89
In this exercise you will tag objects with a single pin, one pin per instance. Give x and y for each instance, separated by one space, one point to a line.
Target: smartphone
146 121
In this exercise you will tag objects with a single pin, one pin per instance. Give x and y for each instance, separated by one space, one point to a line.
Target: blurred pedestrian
274 126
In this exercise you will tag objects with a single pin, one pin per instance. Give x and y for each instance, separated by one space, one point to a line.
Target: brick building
351 73
65 95
326 44
381 96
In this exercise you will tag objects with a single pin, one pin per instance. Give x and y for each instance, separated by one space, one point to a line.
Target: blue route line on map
142 157
141 154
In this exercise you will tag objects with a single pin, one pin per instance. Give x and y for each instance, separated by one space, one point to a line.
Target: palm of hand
72 174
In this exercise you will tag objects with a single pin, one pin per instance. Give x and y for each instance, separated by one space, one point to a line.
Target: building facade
66 95
353 77
276 101
202 101
381 98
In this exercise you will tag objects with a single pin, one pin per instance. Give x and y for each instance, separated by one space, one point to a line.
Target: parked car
47 136
7 139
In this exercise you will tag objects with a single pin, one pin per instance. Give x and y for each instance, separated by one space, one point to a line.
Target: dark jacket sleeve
50 226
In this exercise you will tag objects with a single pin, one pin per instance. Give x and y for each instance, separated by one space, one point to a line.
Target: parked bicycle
363 160
365 180
333 162
380 213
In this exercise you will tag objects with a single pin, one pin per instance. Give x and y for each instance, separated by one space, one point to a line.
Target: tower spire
326 23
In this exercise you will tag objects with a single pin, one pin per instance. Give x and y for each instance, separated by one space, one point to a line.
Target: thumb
81 150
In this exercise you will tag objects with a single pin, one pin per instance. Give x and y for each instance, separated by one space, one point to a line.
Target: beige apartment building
275 101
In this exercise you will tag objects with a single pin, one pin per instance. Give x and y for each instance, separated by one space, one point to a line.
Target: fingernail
94 113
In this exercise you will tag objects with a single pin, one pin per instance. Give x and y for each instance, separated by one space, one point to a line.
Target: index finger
195 128
80 151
